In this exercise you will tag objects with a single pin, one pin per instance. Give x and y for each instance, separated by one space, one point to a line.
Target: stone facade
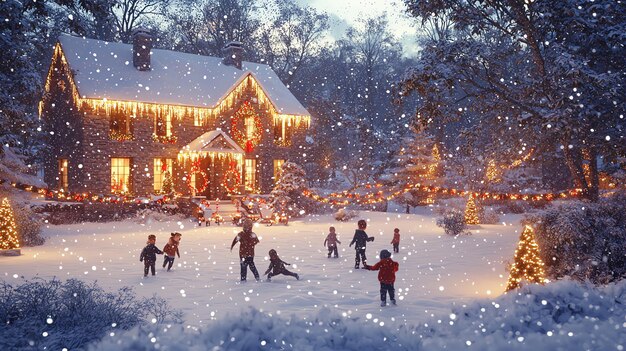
83 138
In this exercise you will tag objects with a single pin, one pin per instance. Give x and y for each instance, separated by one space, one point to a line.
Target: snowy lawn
436 271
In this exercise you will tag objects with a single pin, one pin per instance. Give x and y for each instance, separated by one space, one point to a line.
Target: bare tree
130 13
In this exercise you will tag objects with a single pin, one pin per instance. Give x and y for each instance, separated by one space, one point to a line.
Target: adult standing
247 240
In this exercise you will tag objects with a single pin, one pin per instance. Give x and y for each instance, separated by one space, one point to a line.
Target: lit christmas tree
471 211
527 264
168 183
9 243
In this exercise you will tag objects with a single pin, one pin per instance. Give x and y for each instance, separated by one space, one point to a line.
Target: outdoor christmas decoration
195 169
291 185
232 179
527 265
168 182
9 243
164 139
471 211
245 115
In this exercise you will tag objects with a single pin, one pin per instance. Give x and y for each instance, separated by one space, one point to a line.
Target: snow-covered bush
51 314
344 215
489 216
453 223
255 330
558 316
28 226
564 315
148 215
583 240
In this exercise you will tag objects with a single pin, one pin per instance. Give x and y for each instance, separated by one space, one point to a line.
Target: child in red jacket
387 269
396 240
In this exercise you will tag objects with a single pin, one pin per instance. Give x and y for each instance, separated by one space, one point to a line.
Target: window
250 174
278 164
121 126
197 120
163 125
249 124
163 168
120 175
282 132
63 172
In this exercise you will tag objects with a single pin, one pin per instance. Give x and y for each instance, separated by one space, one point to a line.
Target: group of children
148 254
248 240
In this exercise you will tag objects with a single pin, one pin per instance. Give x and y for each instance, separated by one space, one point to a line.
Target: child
247 240
360 238
332 241
277 266
396 240
386 276
148 255
171 250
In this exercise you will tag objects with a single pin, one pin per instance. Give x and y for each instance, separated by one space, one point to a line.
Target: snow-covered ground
436 271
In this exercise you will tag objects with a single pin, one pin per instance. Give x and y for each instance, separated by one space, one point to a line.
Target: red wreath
195 169
232 170
245 111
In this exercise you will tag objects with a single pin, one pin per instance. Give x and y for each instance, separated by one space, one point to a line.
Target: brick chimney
233 54
142 44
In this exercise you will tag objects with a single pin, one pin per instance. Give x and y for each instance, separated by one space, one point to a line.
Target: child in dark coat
247 240
171 250
148 255
396 240
360 239
387 269
332 242
277 266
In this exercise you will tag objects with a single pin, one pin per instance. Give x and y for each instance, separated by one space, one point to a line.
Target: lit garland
8 228
527 265
119 136
164 139
136 108
232 173
246 111
471 211
195 169
347 198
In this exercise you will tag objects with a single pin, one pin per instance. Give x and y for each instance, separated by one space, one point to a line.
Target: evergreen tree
168 183
286 197
417 162
471 211
527 264
8 228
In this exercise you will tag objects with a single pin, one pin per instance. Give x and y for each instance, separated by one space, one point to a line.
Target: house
127 118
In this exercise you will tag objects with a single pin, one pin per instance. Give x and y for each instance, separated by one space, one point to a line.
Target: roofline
247 74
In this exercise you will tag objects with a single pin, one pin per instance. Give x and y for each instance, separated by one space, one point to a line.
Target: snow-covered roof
213 141
105 70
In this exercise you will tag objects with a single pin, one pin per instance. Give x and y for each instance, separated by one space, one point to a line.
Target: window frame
127 164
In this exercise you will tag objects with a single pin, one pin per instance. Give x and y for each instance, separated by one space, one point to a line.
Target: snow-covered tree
417 162
287 197
542 73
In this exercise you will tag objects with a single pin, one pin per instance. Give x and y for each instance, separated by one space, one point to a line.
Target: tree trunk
574 160
593 187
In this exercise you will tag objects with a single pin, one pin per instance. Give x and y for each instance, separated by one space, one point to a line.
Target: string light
527 265
164 139
233 173
195 169
471 211
249 142
8 228
201 114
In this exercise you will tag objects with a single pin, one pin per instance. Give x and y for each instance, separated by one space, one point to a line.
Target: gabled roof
105 70
213 141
